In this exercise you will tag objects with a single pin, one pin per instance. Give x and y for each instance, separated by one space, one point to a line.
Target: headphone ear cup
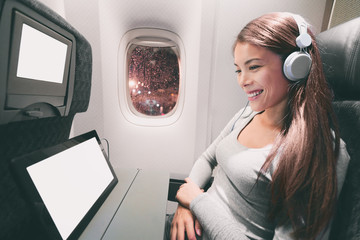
297 66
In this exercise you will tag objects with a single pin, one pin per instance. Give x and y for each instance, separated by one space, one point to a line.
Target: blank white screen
41 57
70 182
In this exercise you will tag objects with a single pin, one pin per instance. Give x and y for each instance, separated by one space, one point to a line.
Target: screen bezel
19 168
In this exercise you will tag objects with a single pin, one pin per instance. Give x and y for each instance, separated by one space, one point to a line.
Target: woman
281 164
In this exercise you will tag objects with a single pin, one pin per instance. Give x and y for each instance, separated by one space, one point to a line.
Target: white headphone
297 65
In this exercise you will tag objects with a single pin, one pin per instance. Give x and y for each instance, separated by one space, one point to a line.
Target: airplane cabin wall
208 29
104 23
168 147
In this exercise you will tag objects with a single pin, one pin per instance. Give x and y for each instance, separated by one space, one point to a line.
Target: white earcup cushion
297 66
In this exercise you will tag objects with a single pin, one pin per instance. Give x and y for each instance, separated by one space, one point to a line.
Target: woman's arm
202 170
201 174
211 217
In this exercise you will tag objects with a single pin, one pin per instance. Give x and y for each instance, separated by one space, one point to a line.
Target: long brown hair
304 185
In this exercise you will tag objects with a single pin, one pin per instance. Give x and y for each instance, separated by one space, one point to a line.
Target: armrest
175 184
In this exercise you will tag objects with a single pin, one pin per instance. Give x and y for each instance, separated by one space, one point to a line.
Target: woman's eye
238 71
254 67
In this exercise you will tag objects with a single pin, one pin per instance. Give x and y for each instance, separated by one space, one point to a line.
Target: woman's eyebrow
249 61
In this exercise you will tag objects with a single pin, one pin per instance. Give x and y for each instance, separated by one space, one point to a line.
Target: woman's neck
273 117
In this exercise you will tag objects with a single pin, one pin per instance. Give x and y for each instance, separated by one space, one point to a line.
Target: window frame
152 37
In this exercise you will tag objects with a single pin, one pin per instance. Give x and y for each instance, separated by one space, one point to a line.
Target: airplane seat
20 137
340 53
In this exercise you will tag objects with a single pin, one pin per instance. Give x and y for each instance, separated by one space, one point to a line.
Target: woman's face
260 75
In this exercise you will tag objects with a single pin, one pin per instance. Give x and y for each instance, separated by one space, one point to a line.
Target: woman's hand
188 192
182 223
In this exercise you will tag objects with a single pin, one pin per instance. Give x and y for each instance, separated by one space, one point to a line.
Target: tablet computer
66 184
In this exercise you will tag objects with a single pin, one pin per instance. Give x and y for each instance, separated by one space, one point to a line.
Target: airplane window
153 78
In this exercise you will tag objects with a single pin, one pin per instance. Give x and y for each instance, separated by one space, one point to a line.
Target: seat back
21 137
340 52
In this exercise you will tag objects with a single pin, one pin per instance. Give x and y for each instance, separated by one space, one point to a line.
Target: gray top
233 207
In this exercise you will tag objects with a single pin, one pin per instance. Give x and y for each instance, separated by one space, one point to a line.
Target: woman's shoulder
344 157
342 165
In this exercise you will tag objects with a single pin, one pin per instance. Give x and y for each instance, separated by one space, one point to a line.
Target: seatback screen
41 57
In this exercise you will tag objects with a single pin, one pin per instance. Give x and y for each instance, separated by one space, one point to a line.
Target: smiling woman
280 162
258 75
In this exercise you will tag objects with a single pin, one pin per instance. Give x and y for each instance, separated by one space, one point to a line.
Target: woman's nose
243 80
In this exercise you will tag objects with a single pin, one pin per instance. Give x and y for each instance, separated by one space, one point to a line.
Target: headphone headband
304 39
